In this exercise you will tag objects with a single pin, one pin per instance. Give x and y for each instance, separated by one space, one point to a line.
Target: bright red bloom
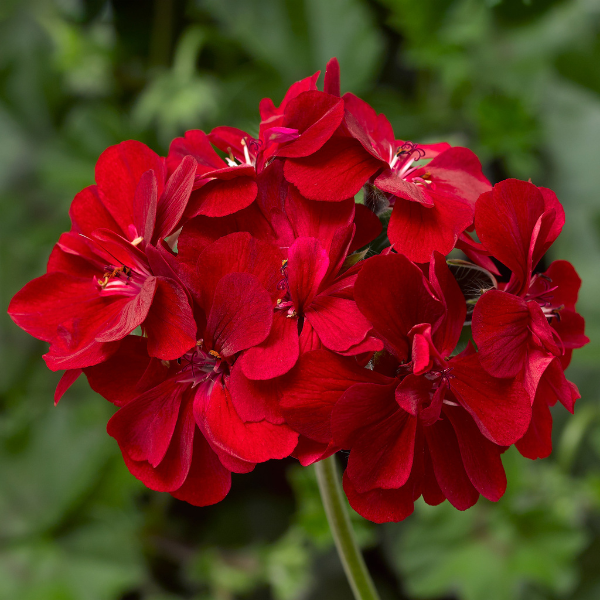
112 272
433 204
427 424
531 322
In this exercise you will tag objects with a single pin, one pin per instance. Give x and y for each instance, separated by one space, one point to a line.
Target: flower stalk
339 522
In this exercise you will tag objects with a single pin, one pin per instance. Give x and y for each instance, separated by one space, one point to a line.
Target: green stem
334 502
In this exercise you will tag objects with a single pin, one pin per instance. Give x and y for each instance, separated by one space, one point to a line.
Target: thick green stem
341 528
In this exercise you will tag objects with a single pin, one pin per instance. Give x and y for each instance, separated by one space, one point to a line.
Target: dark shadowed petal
448 465
145 426
381 506
361 407
480 457
537 441
117 378
382 456
208 481
173 469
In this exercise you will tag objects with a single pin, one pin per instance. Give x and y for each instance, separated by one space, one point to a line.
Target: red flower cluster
222 299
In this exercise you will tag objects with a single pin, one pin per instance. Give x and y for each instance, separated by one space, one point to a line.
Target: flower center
199 366
286 302
121 280
405 156
540 290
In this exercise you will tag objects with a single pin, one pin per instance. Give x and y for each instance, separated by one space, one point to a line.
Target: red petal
170 324
382 456
501 407
314 219
277 354
389 182
145 426
308 451
118 171
66 381
505 220
335 172
480 457
448 465
381 506
338 322
196 144
331 84
219 198
117 378
255 400
361 407
307 266
537 441
252 442
316 115
88 213
144 206
208 481
174 468
445 285
237 253
368 227
241 314
412 393
417 231
47 301
393 294
500 330
314 385
132 314
174 198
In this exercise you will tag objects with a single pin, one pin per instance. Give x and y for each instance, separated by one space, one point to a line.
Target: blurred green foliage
515 81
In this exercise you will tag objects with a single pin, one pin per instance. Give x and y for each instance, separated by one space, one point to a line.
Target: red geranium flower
112 272
427 423
529 323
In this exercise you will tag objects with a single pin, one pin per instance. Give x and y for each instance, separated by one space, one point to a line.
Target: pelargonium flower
529 326
113 272
421 422
433 203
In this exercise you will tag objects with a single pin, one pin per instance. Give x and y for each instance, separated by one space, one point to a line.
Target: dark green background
519 83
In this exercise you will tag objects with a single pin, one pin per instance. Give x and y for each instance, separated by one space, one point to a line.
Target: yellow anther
214 353
138 240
